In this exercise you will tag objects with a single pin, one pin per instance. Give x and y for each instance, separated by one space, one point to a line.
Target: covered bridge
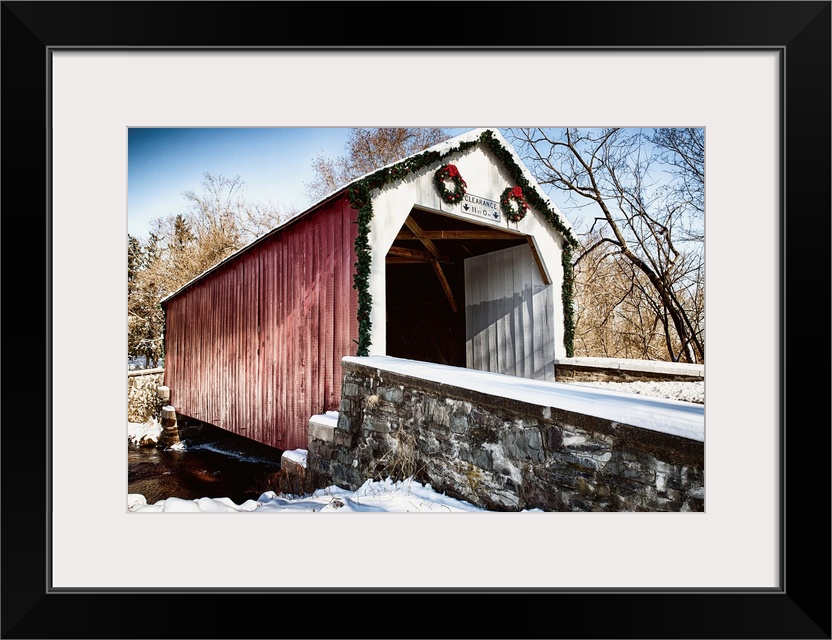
453 255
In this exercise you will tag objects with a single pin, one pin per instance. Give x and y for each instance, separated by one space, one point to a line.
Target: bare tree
646 222
222 213
216 222
617 311
683 150
366 150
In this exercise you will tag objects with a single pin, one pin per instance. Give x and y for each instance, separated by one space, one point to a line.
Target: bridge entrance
455 294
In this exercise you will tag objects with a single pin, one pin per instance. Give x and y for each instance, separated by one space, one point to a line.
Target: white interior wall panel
509 314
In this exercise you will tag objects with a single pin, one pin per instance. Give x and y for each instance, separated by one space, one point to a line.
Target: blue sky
275 163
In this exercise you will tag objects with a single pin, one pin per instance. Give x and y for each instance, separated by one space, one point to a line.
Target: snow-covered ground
143 434
406 496
138 363
684 391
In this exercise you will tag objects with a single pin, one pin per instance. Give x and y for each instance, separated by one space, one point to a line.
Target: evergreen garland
566 291
533 198
360 199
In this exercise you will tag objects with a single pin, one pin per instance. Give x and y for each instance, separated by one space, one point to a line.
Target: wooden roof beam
395 260
420 234
444 282
412 254
459 234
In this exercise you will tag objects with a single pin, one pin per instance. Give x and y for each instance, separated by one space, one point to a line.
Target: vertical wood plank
527 321
549 332
497 303
328 318
479 273
469 345
509 348
491 267
517 319
476 347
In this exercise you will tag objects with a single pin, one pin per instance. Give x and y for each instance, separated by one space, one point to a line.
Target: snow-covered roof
447 145
442 148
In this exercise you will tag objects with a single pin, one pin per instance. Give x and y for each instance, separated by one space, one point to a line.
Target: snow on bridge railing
145 372
635 365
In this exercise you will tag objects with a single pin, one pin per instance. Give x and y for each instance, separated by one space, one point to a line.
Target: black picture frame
800 31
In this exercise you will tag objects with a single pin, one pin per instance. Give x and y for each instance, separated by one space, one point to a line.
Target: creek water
214 464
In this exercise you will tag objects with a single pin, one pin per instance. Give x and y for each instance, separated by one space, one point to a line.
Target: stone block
321 431
343 439
459 424
553 437
344 422
349 390
391 394
375 423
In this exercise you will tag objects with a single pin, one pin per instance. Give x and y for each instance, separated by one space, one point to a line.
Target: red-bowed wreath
513 204
449 172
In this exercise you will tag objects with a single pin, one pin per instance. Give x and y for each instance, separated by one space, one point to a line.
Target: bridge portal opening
429 312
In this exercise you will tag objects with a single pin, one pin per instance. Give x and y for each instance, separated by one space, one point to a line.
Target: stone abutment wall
142 401
498 453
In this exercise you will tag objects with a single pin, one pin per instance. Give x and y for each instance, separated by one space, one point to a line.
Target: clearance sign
479 207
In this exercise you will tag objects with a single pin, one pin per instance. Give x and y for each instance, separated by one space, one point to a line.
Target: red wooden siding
255 347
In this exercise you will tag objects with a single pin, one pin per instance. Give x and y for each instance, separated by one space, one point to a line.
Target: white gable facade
510 292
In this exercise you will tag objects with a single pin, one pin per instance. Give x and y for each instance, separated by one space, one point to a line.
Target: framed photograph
755 75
